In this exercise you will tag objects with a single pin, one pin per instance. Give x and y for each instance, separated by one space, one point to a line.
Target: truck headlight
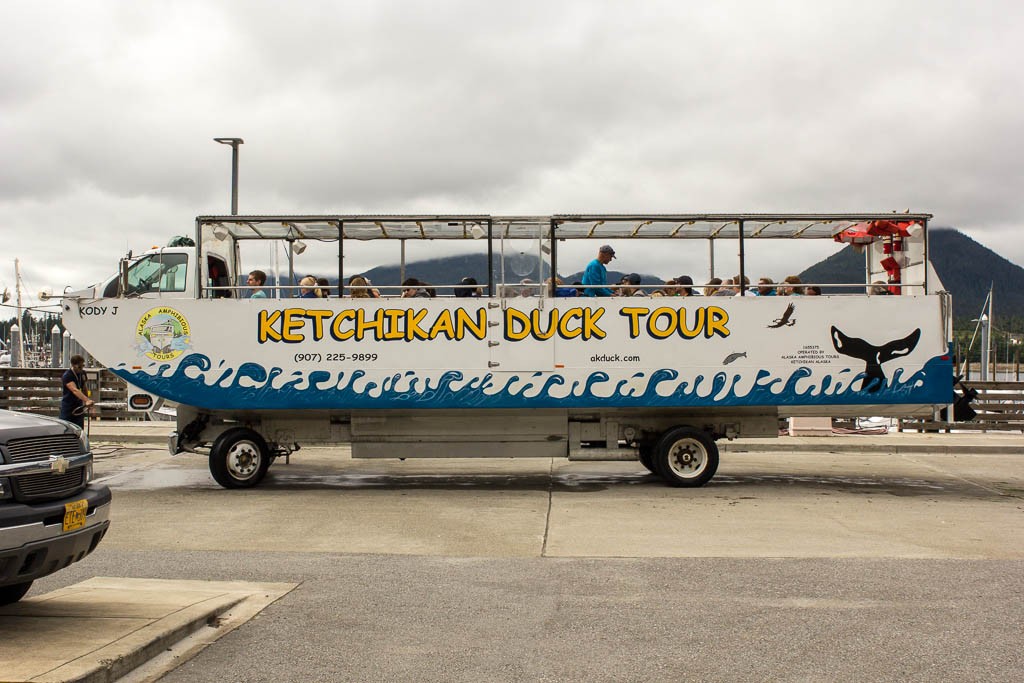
82 437
5 488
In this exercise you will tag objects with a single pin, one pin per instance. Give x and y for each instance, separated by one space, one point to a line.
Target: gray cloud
107 111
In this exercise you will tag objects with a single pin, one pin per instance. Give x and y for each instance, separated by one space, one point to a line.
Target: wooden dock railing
999 407
38 390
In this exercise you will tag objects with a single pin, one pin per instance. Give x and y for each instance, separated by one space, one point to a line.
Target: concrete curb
127 624
829 445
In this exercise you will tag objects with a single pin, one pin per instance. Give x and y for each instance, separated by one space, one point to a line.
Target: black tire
239 458
11 594
685 456
646 458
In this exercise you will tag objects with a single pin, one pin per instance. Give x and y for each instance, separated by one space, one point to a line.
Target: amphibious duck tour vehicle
654 378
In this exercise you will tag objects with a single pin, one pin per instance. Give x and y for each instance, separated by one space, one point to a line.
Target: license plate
74 514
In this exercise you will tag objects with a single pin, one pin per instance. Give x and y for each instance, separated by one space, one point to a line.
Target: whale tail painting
873 356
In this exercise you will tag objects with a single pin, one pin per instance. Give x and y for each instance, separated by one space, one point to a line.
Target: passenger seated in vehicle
812 290
727 289
410 288
684 285
468 289
631 286
790 286
529 287
413 288
359 288
560 291
712 286
879 288
765 287
323 287
308 288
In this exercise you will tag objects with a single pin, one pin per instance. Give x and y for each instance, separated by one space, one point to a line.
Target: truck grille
42 447
45 484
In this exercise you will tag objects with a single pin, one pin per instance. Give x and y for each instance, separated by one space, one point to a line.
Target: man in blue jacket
597 274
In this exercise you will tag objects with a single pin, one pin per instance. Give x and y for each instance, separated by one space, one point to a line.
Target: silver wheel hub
687 458
243 460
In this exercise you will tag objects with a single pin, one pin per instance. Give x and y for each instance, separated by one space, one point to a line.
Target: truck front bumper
33 543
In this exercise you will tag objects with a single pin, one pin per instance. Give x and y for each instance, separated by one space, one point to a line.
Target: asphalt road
786 567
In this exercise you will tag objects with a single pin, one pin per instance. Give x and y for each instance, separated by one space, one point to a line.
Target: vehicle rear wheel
685 456
11 594
239 458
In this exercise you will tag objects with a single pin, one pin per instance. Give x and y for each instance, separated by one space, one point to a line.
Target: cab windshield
154 273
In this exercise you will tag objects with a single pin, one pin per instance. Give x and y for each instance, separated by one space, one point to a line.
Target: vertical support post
16 349
401 266
234 178
924 233
65 350
743 287
711 257
341 259
234 142
490 258
554 257
984 347
55 347
200 268
291 270
867 267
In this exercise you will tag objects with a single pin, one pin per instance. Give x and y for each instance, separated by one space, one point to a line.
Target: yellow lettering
698 323
336 331
318 318
362 324
394 316
412 324
513 316
563 325
658 332
478 328
265 327
443 325
634 319
716 321
535 320
590 328
294 320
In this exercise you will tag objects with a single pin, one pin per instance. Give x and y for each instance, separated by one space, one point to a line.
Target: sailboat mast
17 290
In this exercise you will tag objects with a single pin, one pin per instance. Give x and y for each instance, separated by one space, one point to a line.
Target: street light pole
234 142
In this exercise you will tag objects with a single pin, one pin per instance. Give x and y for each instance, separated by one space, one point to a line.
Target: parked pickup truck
50 513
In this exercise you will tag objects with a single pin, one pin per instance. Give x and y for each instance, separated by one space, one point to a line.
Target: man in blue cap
597 274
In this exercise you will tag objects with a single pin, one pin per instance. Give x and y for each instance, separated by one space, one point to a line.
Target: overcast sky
107 110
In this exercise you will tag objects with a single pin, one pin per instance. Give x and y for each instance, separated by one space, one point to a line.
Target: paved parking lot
805 566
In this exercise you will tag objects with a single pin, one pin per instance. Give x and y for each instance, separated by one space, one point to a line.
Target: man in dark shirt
73 384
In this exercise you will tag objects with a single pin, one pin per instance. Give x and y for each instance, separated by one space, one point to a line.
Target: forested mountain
966 269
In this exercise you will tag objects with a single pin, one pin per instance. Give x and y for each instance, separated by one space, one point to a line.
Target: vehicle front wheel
239 458
685 456
11 594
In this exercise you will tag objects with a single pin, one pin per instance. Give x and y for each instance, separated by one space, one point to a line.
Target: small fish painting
734 356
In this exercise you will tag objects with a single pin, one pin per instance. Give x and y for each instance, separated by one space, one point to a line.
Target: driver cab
162 273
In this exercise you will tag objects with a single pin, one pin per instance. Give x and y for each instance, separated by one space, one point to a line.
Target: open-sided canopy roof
566 226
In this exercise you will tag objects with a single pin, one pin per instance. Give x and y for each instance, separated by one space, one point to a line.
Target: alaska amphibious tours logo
162 334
